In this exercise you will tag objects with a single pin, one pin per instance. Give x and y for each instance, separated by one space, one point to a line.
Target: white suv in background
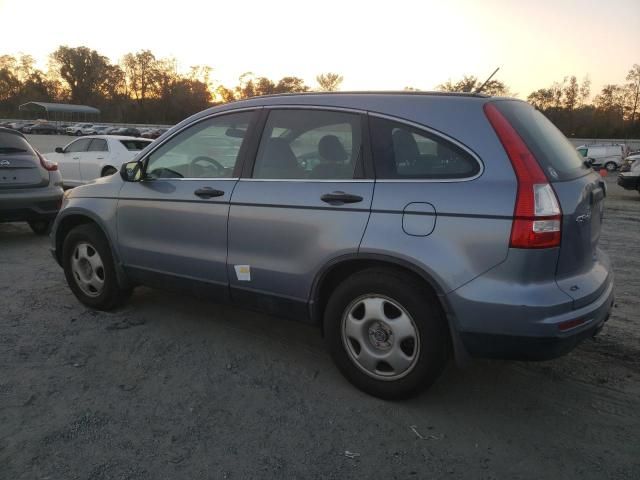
607 156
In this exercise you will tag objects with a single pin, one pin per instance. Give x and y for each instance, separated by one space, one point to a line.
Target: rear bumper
514 347
30 204
627 181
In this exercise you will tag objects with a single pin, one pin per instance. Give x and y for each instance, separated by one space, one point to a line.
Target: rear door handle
208 192
75 158
339 198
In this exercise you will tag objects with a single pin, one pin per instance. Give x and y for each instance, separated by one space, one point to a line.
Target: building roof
59 107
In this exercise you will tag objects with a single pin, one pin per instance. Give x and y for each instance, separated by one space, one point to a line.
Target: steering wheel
212 164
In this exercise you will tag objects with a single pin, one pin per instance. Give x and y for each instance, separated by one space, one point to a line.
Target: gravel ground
169 388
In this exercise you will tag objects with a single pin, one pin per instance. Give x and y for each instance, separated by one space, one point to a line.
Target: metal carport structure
60 111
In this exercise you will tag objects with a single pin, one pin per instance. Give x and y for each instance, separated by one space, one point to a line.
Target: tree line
142 88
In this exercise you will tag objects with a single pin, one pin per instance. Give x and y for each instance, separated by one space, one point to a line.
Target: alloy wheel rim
88 269
380 337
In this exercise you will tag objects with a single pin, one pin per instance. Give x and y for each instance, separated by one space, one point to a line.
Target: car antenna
481 87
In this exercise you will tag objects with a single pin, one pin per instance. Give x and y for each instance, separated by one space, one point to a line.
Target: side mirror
131 171
59 150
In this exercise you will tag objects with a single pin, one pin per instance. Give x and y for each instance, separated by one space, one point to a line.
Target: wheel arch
74 218
340 268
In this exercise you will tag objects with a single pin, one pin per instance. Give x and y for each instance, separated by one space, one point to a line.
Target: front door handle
208 192
76 158
339 198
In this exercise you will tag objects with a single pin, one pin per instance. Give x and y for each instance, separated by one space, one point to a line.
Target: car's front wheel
386 333
89 269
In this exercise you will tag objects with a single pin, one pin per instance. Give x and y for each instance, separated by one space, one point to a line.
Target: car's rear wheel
106 171
89 269
610 166
40 227
386 333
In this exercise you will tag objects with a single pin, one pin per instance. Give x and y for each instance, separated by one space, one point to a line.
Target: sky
384 45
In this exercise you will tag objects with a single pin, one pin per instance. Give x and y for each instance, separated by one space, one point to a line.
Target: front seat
278 161
332 156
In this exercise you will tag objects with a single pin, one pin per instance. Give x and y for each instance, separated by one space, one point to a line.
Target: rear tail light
537 218
46 164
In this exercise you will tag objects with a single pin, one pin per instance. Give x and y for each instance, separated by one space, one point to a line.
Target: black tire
610 166
112 294
106 171
40 227
428 319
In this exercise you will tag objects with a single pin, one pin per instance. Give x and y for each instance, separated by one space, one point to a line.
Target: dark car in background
30 185
126 132
43 129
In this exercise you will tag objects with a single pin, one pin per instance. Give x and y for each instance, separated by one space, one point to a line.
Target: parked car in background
127 131
153 132
630 179
77 128
43 129
607 156
93 130
628 161
21 127
95 156
480 236
30 185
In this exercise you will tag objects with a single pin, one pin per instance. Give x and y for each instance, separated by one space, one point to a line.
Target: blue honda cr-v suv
410 227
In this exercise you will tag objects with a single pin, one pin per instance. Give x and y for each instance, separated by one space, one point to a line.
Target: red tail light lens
537 218
46 164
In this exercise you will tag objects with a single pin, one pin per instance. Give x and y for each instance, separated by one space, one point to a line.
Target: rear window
560 160
12 143
134 144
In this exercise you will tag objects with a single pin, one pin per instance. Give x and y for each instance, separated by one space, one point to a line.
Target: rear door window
98 145
401 151
560 160
310 145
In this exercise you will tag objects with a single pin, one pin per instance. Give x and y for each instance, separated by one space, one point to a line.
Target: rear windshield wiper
11 150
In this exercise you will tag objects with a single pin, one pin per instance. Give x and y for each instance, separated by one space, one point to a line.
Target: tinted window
208 149
134 144
12 143
401 151
98 145
582 151
551 148
79 145
309 144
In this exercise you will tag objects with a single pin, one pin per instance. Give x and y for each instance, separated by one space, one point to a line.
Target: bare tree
634 87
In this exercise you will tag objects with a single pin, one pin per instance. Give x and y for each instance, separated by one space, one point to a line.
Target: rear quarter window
555 154
401 151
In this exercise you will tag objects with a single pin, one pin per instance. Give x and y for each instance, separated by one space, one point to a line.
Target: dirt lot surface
170 387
